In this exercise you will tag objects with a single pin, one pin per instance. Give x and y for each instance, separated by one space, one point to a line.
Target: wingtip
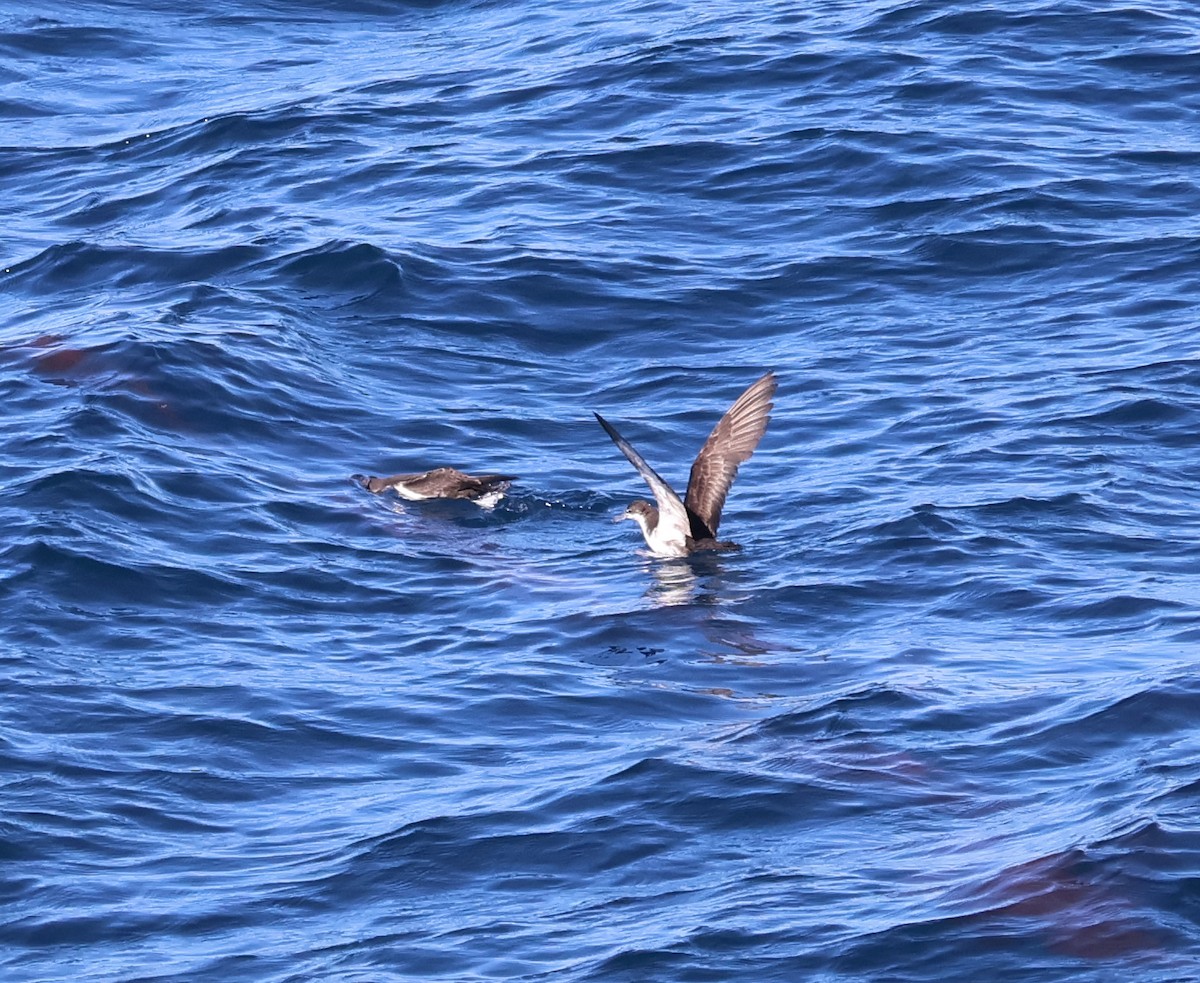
767 384
608 427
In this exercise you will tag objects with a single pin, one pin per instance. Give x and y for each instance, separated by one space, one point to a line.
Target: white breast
665 539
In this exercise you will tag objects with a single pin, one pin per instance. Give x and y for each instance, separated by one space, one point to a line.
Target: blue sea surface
937 719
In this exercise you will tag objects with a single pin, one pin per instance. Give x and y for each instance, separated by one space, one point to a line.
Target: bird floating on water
485 490
677 526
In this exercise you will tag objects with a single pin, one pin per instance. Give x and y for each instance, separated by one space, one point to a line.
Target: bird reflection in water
673 584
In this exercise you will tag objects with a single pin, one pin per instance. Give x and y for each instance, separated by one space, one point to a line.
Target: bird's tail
496 482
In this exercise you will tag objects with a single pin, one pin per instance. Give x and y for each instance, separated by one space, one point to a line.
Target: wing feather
729 446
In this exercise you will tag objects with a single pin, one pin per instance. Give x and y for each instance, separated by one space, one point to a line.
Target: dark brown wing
730 444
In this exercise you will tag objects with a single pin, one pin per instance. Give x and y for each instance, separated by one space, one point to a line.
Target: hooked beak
623 516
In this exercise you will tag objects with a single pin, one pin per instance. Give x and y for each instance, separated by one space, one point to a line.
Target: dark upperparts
437 483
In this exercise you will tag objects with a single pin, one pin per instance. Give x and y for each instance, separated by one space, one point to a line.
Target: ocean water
938 719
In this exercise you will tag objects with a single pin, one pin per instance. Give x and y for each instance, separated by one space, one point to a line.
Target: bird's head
641 512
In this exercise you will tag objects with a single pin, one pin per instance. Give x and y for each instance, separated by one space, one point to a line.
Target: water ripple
933 720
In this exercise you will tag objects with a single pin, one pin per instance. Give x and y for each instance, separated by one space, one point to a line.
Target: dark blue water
939 719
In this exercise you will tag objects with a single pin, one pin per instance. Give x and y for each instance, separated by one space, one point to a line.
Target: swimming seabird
679 527
485 490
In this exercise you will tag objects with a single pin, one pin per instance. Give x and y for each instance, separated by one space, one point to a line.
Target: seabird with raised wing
678 526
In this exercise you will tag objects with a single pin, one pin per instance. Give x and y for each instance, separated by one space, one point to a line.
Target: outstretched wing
730 444
673 524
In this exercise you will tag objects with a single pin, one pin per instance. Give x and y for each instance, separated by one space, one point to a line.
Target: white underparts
490 500
487 501
660 544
